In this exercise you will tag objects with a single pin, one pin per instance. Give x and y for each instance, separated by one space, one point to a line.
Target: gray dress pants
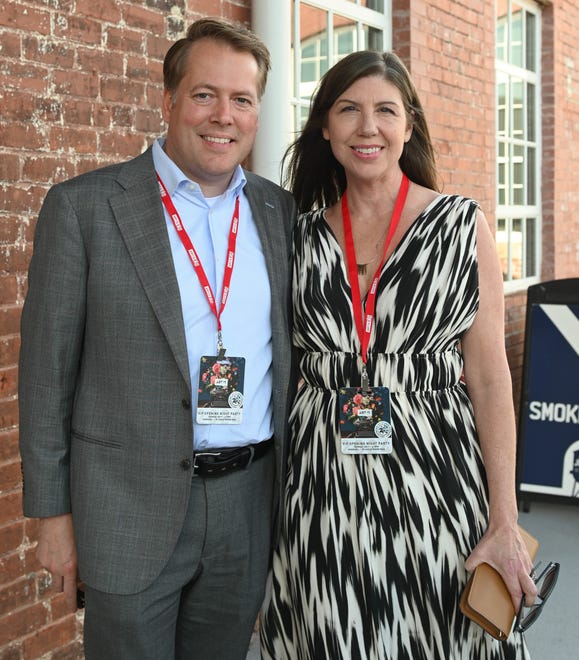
205 602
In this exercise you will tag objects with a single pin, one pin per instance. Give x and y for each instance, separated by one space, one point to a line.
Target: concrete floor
555 635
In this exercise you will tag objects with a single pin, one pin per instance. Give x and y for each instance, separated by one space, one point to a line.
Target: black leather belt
218 462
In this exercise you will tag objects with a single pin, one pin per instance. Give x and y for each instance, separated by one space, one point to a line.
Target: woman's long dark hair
312 172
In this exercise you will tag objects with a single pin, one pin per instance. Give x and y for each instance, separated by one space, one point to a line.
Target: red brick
124 40
9 319
8 445
73 140
143 19
25 76
8 374
79 28
16 594
49 51
46 167
10 507
10 46
76 83
126 146
12 537
33 19
15 136
9 349
12 652
79 113
72 651
10 476
122 90
54 636
108 10
8 414
100 61
21 622
13 258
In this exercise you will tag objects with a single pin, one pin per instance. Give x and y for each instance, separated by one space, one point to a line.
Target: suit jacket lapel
139 215
270 229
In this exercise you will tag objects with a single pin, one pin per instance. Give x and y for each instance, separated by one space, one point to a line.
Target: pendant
362 269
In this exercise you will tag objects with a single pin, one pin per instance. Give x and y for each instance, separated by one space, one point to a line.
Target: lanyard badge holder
221 378
364 412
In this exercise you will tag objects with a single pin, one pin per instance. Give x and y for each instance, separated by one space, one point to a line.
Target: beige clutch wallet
486 599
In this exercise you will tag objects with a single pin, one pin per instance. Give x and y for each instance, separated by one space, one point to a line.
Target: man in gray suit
155 371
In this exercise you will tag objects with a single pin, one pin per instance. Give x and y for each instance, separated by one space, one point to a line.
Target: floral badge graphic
360 412
218 379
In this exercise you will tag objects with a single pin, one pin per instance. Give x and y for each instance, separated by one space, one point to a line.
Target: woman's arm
488 381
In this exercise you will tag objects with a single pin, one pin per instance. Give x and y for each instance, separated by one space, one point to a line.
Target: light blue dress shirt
246 321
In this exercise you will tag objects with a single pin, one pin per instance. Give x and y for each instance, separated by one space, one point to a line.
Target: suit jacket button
186 403
186 464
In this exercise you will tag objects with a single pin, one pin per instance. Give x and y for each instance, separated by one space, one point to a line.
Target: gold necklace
363 268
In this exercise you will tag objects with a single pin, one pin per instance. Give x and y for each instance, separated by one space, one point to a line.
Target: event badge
365 422
220 390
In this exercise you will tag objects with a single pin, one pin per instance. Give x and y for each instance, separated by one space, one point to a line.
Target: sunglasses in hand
545 582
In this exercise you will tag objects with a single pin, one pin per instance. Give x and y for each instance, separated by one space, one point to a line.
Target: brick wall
449 48
77 90
563 76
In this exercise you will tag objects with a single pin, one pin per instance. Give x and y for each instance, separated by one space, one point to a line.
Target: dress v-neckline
408 231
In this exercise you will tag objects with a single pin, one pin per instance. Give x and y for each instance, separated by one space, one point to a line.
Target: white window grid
518 209
363 19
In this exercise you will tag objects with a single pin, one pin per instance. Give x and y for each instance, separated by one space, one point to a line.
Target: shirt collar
173 177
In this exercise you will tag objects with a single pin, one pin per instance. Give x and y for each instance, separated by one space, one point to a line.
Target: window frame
364 17
508 212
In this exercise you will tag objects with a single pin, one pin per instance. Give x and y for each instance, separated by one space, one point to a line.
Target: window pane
502 243
309 71
501 190
501 40
518 175
516 241
531 248
531 46
304 112
531 113
516 35
531 176
314 48
345 37
517 107
344 41
373 38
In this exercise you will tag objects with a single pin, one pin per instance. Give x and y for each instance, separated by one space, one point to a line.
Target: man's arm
52 330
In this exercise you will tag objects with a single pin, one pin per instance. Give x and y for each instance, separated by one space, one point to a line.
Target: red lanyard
364 325
194 257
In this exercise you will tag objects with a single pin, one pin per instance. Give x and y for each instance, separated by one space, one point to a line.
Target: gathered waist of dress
400 372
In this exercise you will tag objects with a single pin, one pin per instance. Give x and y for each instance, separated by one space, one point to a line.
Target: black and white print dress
370 564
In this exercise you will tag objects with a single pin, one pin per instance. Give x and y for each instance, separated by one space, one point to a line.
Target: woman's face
367 128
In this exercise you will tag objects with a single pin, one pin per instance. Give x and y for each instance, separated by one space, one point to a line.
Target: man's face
212 118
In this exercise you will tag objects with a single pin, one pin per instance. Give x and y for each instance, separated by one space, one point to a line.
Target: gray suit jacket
104 386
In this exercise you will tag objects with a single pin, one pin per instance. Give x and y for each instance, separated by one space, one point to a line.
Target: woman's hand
503 548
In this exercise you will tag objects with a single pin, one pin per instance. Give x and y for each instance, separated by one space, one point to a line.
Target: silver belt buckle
202 453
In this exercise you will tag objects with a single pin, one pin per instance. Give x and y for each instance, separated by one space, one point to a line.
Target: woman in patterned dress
381 526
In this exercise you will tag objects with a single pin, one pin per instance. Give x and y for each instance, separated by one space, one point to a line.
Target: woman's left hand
503 548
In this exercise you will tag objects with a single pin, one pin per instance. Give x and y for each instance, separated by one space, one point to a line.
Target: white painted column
271 21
